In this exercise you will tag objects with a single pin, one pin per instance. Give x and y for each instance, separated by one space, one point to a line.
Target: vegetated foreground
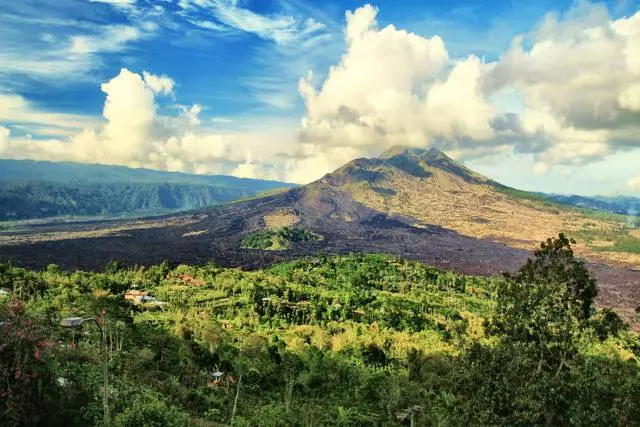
351 340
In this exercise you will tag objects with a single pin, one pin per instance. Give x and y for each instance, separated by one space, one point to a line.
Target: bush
148 410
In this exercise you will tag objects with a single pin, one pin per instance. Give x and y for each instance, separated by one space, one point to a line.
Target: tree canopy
348 340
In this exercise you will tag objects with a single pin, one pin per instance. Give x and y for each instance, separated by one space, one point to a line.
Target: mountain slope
31 189
417 204
431 188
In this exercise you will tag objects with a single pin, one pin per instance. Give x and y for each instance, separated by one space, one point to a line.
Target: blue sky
240 62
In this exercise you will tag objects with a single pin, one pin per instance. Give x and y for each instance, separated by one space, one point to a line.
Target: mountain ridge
41 189
45 170
424 207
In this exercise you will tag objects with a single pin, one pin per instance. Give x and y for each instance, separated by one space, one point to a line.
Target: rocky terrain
417 204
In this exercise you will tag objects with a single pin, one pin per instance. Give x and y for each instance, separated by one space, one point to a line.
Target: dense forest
349 340
34 189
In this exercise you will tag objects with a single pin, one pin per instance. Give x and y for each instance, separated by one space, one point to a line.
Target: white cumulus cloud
134 134
575 78
371 96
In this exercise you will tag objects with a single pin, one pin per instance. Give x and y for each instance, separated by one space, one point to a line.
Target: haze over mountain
624 205
419 204
37 189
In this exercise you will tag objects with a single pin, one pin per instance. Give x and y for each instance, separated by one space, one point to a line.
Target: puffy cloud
577 67
456 108
160 85
370 98
134 134
634 184
392 87
575 79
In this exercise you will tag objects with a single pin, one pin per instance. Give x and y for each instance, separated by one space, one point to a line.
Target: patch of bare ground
281 218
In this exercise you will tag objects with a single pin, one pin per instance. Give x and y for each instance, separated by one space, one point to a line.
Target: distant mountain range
418 204
623 205
37 189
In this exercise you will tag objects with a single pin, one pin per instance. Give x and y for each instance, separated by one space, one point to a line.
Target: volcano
418 204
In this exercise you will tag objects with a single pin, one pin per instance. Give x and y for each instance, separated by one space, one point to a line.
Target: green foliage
526 195
608 324
554 264
349 340
619 240
278 239
147 409
546 305
26 384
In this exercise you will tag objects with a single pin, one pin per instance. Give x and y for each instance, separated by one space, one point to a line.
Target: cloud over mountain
575 77
564 93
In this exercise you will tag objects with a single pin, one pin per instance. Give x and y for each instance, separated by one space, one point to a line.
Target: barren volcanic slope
414 203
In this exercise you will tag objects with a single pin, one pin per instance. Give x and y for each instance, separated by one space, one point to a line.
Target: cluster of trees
278 238
353 340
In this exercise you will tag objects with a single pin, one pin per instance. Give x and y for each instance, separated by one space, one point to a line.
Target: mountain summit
430 188
415 162
419 204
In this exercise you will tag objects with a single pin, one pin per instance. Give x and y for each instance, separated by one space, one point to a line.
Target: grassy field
619 240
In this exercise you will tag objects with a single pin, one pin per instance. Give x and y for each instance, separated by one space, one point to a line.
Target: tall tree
555 263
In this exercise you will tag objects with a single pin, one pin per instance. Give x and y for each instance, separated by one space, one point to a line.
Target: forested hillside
355 340
33 199
33 189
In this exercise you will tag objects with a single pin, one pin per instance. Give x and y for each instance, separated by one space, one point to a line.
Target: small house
137 297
